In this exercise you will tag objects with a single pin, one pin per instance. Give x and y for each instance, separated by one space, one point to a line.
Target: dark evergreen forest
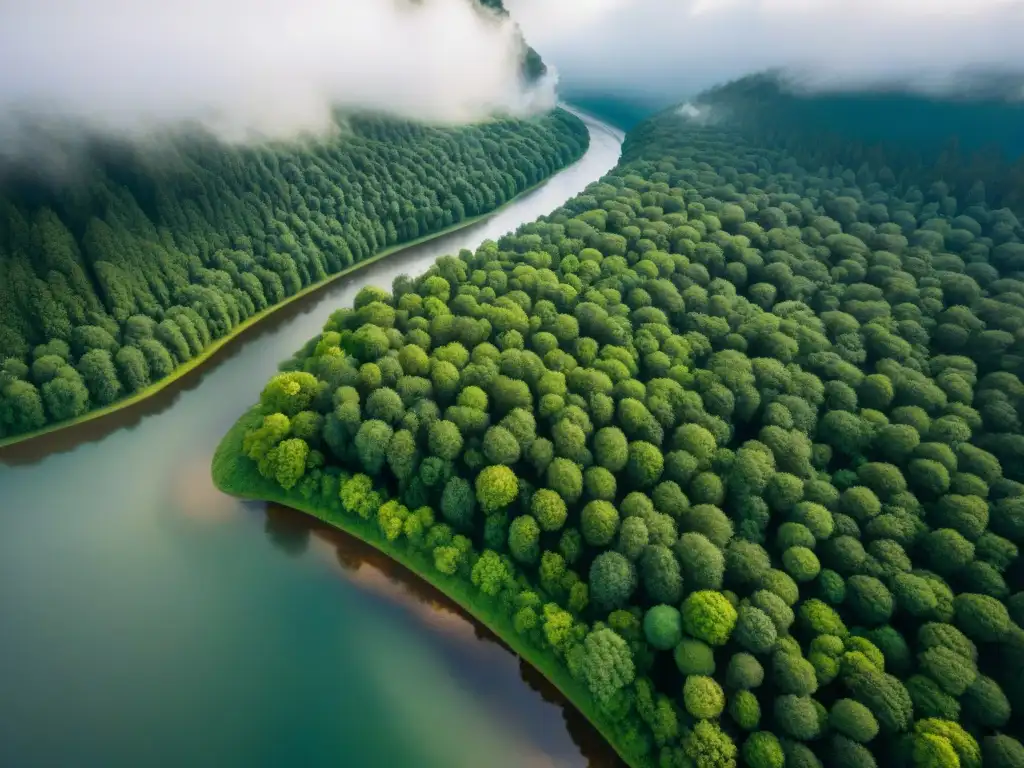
112 280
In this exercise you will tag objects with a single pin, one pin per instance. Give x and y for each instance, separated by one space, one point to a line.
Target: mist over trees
108 285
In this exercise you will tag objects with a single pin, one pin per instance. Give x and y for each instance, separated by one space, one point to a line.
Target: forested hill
533 67
730 442
109 284
973 144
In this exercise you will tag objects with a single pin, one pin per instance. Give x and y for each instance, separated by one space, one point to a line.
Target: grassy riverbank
236 475
217 344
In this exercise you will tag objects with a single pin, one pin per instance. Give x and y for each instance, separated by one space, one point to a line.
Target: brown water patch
195 495
370 569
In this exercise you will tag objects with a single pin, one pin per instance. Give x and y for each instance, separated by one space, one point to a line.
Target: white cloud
648 47
251 68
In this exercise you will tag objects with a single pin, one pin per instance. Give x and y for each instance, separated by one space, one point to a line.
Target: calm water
146 619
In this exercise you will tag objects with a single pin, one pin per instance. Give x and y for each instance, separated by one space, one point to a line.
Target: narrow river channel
148 620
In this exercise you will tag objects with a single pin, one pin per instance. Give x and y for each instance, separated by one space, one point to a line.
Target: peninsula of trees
729 446
110 284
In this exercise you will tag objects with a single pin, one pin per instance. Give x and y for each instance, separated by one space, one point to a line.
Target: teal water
148 619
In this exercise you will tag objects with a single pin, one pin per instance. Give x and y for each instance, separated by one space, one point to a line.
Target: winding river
148 620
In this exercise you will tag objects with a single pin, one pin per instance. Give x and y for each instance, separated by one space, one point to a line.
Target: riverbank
217 344
236 475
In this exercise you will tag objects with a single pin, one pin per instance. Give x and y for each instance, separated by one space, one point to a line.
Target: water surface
147 619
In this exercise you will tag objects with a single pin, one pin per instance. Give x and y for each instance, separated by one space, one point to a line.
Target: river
148 620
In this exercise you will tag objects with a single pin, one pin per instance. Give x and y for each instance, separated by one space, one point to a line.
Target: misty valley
459 415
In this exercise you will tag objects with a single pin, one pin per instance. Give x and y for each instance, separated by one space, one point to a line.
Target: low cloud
676 48
249 69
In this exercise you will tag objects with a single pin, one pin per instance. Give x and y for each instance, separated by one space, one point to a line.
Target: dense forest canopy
734 435
108 284
973 143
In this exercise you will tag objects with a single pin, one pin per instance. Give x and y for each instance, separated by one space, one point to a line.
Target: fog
249 69
671 49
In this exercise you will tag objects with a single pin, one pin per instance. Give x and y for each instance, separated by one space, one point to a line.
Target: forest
128 271
731 441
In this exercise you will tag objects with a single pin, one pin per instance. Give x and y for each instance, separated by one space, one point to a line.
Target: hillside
729 446
137 264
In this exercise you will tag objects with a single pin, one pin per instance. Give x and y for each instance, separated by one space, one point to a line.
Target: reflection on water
375 572
150 620
192 491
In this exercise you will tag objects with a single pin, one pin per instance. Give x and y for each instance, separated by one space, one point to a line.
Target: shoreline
217 344
235 475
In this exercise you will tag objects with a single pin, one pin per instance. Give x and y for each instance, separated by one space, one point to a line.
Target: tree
703 697
981 617
548 509
645 464
612 580
703 564
607 664
65 396
445 440
663 627
458 503
490 573
289 393
755 631
523 539
853 720
708 616
763 750
797 716
496 487
371 442
707 746
97 369
659 574
599 523
132 368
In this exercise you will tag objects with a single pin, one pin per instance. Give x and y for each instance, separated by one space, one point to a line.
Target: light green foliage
703 697
708 616
707 746
599 523
548 509
607 664
763 750
965 749
259 441
490 573
496 487
391 519
289 393
286 462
